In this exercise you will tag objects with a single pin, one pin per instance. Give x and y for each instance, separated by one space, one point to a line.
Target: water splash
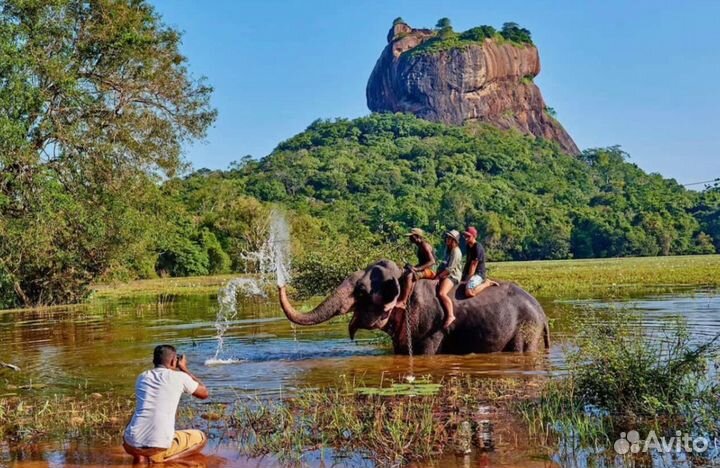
227 311
273 260
275 253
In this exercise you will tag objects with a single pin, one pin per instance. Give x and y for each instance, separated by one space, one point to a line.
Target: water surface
103 346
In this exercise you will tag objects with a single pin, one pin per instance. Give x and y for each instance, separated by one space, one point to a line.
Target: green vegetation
556 279
392 428
92 187
27 418
95 105
445 38
612 277
623 376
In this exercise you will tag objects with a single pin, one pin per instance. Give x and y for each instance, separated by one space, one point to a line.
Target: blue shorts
474 281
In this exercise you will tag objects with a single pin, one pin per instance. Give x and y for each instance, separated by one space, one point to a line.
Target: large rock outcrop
484 81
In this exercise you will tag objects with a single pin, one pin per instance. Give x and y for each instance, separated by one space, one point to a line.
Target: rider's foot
494 283
400 306
448 322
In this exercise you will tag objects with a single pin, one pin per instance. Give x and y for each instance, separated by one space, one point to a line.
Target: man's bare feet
493 283
140 460
400 306
448 321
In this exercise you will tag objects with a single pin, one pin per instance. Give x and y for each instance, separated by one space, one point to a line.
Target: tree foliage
95 105
375 177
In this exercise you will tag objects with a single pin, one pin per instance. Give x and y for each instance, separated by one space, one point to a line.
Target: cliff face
488 81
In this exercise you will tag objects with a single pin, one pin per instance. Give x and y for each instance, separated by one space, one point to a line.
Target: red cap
471 231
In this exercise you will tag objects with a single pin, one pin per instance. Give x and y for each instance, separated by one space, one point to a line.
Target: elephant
501 318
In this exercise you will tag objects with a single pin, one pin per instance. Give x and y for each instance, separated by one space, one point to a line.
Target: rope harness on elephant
408 330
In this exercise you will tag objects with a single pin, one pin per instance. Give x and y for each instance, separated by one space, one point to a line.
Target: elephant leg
430 345
516 344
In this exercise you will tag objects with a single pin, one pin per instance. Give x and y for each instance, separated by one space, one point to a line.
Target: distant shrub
447 39
478 34
443 23
183 257
218 260
514 33
320 272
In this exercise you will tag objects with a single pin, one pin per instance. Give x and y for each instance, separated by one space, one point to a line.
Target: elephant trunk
340 302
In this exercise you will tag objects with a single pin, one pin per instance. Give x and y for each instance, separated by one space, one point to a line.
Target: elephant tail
546 335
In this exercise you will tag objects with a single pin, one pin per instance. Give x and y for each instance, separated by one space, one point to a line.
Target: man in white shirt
151 434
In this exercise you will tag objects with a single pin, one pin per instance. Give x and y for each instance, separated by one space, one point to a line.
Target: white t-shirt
158 393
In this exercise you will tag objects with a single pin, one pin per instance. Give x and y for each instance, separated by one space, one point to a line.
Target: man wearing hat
449 274
475 272
423 269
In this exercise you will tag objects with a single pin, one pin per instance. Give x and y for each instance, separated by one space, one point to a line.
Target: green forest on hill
96 103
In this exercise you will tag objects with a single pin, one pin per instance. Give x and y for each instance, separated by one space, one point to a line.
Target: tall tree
96 103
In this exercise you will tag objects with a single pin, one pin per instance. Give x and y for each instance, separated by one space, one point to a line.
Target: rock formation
487 80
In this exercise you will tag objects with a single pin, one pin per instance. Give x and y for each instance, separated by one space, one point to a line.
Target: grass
614 277
560 279
98 416
168 286
622 378
393 424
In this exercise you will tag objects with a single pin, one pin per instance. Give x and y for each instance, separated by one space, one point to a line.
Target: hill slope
372 178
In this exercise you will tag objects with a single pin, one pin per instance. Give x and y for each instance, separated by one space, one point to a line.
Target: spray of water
273 260
275 256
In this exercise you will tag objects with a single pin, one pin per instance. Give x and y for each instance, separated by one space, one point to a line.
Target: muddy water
102 347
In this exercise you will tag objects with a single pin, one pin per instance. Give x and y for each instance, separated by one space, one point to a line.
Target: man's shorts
427 273
186 441
474 282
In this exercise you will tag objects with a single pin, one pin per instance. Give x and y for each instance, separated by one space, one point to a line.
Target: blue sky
640 74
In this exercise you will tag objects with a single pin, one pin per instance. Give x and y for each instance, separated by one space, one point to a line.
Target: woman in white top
449 274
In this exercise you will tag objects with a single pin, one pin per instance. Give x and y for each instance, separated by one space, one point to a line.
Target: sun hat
416 232
454 234
471 231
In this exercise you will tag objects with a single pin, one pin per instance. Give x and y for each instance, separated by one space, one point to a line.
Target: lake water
102 347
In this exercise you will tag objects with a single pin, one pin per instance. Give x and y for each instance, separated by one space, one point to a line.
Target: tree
95 105
513 32
443 23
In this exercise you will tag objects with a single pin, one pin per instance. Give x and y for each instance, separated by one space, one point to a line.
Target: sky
639 74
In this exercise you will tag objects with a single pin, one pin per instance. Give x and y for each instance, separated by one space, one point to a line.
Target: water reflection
104 346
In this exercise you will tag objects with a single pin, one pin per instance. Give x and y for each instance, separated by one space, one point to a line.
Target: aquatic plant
622 376
393 424
95 415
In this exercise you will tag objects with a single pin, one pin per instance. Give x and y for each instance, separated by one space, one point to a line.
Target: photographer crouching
151 436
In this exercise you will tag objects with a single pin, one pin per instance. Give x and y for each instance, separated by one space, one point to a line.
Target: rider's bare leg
443 290
406 282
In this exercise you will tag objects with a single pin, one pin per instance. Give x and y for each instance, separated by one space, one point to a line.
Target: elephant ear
390 290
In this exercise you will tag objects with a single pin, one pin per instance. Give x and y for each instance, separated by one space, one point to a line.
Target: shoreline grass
610 277
552 279
577 279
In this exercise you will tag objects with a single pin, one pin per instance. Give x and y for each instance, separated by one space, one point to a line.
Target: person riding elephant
449 274
503 318
475 271
423 268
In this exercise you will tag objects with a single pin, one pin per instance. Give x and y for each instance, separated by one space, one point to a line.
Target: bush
622 376
478 34
320 272
514 33
621 369
218 260
183 257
